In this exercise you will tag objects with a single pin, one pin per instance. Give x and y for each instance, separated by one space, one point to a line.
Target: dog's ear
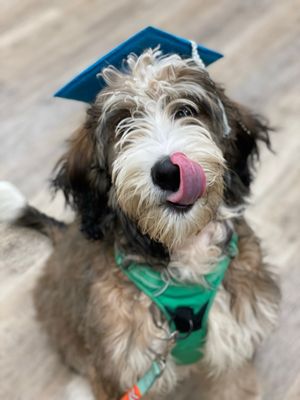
82 176
241 149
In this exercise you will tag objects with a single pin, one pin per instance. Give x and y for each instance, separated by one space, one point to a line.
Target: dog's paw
12 202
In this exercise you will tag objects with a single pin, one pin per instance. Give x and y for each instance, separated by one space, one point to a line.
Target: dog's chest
135 332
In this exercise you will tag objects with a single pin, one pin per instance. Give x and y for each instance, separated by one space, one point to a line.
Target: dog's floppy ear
82 177
242 150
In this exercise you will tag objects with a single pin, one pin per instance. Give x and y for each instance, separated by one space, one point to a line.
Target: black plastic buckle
185 320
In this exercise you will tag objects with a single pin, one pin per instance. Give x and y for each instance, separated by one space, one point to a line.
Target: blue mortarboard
86 85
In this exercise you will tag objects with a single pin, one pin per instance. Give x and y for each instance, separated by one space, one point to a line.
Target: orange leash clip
133 394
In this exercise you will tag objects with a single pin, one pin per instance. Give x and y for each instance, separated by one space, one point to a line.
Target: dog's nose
166 175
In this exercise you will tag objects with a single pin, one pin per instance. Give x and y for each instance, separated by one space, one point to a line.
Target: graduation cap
86 85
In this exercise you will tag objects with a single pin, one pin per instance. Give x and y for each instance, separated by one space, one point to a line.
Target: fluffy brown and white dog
161 169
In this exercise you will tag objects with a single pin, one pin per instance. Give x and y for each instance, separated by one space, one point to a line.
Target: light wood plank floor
42 45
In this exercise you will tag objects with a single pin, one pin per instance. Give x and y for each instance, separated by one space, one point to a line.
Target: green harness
185 306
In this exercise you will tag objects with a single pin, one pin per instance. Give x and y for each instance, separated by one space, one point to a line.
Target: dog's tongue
192 180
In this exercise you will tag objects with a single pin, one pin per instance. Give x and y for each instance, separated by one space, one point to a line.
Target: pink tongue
192 180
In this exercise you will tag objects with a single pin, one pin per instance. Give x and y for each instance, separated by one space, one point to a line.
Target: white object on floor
78 389
12 202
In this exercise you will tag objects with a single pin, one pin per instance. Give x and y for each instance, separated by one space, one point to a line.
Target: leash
156 369
145 383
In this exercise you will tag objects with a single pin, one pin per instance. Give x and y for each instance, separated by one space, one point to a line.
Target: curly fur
98 320
86 181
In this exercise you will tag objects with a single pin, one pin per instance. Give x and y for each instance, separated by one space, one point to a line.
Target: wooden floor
42 45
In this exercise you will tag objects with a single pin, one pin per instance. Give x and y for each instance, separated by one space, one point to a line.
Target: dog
160 170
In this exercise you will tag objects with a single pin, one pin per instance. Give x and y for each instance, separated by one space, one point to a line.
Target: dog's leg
98 386
238 384
99 393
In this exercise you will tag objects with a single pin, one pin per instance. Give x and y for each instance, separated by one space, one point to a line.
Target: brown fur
82 299
98 320
248 276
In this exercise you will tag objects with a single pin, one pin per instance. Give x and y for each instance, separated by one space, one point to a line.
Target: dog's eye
184 111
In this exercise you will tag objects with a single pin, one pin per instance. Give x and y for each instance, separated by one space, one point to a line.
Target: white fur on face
145 141
150 133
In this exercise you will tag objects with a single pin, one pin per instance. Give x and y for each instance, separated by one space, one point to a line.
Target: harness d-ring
188 333
178 334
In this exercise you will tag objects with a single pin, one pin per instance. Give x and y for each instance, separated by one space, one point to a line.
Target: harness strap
185 306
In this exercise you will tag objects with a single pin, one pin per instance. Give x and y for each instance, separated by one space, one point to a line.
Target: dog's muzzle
181 176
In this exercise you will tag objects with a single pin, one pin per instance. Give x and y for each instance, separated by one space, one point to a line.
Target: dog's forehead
86 85
152 77
149 69
149 72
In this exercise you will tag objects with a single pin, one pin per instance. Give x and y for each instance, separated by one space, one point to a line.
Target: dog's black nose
166 175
